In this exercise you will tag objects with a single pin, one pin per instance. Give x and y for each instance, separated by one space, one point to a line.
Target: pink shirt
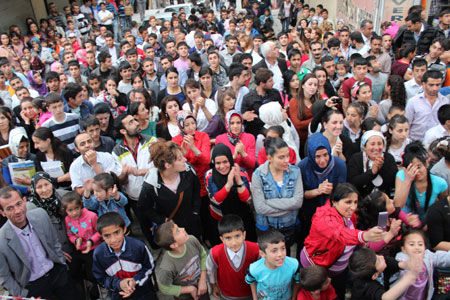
249 162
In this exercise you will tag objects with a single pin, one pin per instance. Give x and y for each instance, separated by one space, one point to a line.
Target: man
344 38
182 62
247 60
73 93
102 143
81 21
16 83
422 109
258 40
330 66
90 60
358 45
249 30
32 261
360 66
90 162
75 73
263 94
59 18
220 77
211 20
132 57
238 76
413 86
272 62
112 48
194 64
125 73
283 41
5 67
334 49
366 29
441 130
53 84
230 49
444 21
295 58
100 40
383 57
386 43
167 62
377 77
133 155
198 39
418 34
151 80
106 68
325 25
316 51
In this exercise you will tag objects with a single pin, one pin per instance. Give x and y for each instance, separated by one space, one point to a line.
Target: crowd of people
309 163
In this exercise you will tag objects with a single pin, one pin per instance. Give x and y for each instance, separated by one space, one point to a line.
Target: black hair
342 190
418 62
414 231
102 56
357 37
195 58
272 145
444 113
369 123
270 236
244 56
313 277
276 128
413 17
333 42
124 66
359 61
434 74
398 92
405 50
58 147
236 69
325 59
171 70
397 119
52 98
204 71
51 75
287 77
369 207
70 197
89 120
111 218
362 263
73 63
104 180
71 90
230 223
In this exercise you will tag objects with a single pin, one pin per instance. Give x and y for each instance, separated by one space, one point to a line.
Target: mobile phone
382 220
337 100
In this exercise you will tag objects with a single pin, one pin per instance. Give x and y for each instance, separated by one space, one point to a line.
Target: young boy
122 264
182 62
91 125
64 126
182 272
315 284
272 276
227 263
359 74
366 266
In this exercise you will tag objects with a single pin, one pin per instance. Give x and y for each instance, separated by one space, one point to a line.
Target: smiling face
364 94
44 188
41 145
322 157
235 125
374 147
222 165
322 77
335 124
347 206
414 244
113 236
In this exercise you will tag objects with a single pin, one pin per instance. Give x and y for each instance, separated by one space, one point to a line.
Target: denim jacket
276 208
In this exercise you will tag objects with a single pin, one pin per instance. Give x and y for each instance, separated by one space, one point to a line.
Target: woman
406 55
171 190
52 149
206 79
6 125
172 89
442 167
202 108
111 96
241 144
395 88
167 127
333 236
372 168
7 50
36 82
18 42
104 116
321 171
226 99
140 113
196 147
228 187
143 96
277 191
245 43
325 88
362 93
415 188
285 14
300 107
20 148
291 85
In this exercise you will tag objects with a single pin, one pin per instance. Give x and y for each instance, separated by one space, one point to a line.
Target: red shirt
328 294
348 84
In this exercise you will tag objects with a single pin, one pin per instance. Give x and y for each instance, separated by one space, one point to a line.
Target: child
122 264
81 226
227 264
359 69
182 272
366 267
106 197
361 92
414 244
271 277
397 137
393 110
44 114
342 70
273 132
315 284
352 123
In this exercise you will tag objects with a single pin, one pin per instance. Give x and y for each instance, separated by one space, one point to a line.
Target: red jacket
201 162
329 236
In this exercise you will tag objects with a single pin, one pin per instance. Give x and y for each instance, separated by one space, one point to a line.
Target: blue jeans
285 24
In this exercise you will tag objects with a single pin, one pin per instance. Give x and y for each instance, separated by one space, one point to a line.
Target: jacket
102 207
262 64
425 38
85 228
329 236
106 50
439 259
15 269
135 261
86 109
275 208
124 156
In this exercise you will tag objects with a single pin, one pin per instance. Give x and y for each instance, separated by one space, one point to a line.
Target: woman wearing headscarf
228 187
20 149
373 168
37 83
241 144
321 171
196 147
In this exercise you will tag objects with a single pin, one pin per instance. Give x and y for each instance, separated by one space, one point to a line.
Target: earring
167 115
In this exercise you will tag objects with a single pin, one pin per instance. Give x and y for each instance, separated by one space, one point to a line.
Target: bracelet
239 185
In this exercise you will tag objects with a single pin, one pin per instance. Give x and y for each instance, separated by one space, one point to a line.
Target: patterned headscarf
51 205
233 138
182 116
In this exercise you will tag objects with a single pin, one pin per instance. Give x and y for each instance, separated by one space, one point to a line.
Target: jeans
285 24
141 9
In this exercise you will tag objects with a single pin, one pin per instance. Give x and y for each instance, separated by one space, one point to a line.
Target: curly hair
398 92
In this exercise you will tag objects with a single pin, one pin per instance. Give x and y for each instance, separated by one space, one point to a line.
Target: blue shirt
273 284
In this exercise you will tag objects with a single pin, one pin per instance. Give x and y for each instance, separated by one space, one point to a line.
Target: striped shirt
66 130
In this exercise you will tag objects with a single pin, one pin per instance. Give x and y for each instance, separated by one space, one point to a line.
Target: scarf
316 141
40 88
233 138
51 205
14 143
182 116
367 163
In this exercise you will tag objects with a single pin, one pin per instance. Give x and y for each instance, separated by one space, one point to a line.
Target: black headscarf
51 205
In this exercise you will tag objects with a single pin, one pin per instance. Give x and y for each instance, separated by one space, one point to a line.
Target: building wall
15 12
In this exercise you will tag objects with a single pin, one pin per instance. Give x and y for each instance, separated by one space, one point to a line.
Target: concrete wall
14 12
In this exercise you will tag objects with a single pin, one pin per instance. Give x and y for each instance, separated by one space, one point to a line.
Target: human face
63 80
310 87
114 236
44 188
73 210
364 94
418 72
190 126
367 31
431 87
15 209
222 164
193 93
344 37
57 109
421 170
280 159
94 132
107 63
445 19
335 124
213 60
347 206
414 245
172 109
6 68
104 120
387 42
170 48
294 83
22 94
283 40
275 254
400 132
183 51
16 83
25 65
84 142
132 59
274 52
148 67
233 240
257 43
360 72
137 83
77 101
180 236
375 66
100 193
38 78
131 126
375 46
322 157
295 61
353 117
126 74
228 103
330 66
248 63
172 79
235 125
94 84
109 42
24 148
4 122
374 147
206 80
29 110
321 77
435 50
4 39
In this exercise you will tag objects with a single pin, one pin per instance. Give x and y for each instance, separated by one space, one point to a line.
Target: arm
317 119
196 200
99 271
259 202
147 205
147 266
91 203
400 287
355 174
122 200
211 269
402 189
72 236
254 291
8 179
292 203
7 279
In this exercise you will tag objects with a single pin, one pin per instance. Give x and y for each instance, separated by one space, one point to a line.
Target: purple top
34 251
419 290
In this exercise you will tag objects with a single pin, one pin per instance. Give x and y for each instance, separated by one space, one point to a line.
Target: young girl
226 99
362 93
106 196
352 122
81 226
342 70
196 102
44 114
414 245
115 100
276 131
397 137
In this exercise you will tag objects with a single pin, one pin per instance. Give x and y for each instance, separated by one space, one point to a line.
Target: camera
337 100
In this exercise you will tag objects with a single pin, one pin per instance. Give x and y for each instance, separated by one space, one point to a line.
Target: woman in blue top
172 89
415 188
277 191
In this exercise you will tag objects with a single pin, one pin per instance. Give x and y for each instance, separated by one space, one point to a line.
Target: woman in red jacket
196 147
333 236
